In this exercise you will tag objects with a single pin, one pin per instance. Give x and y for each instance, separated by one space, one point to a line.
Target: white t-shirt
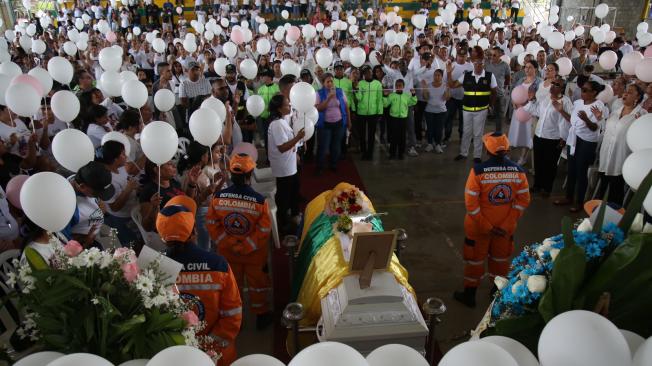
96 132
493 84
45 250
282 164
458 70
90 215
119 181
124 20
22 132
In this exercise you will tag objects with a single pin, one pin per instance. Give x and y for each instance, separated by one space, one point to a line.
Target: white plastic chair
267 189
105 239
152 239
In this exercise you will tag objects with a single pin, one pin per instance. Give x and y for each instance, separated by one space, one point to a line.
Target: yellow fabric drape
328 266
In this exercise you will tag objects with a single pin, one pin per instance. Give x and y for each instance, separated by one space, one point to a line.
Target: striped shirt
192 89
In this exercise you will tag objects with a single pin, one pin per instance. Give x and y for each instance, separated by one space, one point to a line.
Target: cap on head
230 68
338 63
241 164
192 65
176 221
496 143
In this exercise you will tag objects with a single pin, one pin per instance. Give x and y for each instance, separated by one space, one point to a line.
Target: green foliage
93 309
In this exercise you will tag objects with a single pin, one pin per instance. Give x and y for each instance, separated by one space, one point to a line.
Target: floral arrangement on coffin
600 267
346 200
100 302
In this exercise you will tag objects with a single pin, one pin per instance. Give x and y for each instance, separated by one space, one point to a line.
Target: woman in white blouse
282 154
586 119
614 149
550 133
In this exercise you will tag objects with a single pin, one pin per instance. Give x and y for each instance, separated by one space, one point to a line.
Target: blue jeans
435 124
127 230
329 139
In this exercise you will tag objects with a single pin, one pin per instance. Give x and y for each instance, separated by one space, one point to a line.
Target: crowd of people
403 100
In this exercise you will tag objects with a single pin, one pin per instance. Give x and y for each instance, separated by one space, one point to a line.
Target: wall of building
627 14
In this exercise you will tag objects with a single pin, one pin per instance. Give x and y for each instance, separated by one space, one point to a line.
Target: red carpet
311 186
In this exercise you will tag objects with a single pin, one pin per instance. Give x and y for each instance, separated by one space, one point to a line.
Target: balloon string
31 120
159 180
210 153
141 116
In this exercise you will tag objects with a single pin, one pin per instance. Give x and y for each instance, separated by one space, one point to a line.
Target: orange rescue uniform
497 194
238 221
208 285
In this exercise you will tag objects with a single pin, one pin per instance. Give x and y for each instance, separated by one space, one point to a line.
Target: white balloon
320 27
517 49
164 100
636 167
158 45
569 36
205 126
611 35
49 201
401 39
569 18
31 30
43 78
230 49
477 353
249 68
642 27
181 355
285 14
324 57
599 36
634 341
605 27
519 352
38 46
556 40
484 43
220 66
73 35
302 96
353 30
395 354
528 21
582 338
419 21
80 359
328 33
263 46
629 62
81 45
70 48
579 31
288 67
72 149
224 22
533 47
553 19
328 354
110 59
554 9
476 23
38 359
25 43
111 83
607 95
608 59
643 356
10 69
160 142
23 99
357 56
601 10
255 105
137 31
65 105
263 29
216 105
119 137
257 360
139 362
134 93
189 45
639 132
644 70
10 35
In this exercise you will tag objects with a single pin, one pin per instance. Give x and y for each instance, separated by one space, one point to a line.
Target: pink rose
130 271
125 253
73 248
190 318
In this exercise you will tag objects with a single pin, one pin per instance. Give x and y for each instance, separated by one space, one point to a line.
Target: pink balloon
519 95
522 115
111 37
28 79
247 149
648 52
237 36
14 186
294 33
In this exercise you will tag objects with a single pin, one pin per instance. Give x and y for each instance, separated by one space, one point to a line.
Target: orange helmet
176 221
495 142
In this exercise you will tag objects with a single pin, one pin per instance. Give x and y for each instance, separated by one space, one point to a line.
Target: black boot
466 297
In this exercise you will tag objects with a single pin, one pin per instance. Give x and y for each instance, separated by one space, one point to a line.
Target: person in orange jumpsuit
239 223
205 282
496 196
